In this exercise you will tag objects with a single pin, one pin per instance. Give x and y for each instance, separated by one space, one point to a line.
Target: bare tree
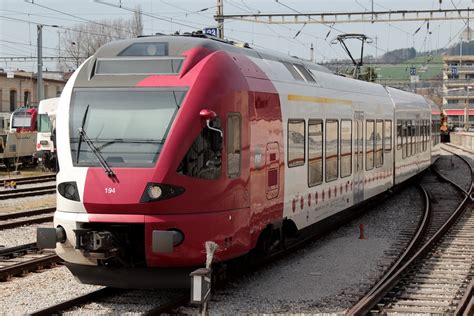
83 40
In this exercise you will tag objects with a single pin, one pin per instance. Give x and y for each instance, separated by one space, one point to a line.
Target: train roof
175 45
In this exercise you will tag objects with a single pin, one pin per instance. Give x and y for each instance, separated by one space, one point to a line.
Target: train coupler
97 244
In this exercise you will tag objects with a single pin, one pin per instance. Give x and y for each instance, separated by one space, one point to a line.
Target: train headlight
69 190
158 191
154 191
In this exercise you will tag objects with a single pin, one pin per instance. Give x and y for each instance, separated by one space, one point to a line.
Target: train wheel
269 240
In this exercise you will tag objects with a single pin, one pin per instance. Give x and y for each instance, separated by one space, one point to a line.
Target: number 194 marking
109 190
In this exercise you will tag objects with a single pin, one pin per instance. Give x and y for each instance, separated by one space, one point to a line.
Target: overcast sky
18 38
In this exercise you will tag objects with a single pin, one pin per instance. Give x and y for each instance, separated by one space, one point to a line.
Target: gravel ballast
20 235
331 274
39 290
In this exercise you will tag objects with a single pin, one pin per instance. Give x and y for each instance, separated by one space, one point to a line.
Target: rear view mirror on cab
216 141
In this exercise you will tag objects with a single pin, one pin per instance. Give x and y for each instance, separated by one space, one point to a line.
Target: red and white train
167 142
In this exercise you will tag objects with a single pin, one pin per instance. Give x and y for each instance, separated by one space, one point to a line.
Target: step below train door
272 170
358 181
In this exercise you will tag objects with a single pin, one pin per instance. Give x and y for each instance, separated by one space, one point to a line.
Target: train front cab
196 189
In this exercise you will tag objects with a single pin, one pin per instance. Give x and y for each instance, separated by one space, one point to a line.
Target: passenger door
358 181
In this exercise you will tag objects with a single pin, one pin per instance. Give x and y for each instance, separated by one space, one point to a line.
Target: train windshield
128 127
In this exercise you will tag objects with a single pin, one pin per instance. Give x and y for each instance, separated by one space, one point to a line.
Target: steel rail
16 195
28 266
24 190
78 300
30 180
380 290
14 215
466 305
11 252
28 221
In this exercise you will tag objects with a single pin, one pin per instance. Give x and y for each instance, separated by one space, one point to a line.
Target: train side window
296 143
423 136
204 158
296 75
315 152
413 137
404 139
332 148
304 73
399 134
346 148
233 144
388 135
409 138
369 144
379 144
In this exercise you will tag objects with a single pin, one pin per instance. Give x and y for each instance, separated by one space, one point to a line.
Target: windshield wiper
96 152
80 135
83 135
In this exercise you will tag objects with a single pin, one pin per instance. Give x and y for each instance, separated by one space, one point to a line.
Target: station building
18 89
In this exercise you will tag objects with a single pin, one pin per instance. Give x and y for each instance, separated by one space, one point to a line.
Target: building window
379 144
315 152
13 101
388 135
369 144
233 145
296 143
27 98
346 148
332 148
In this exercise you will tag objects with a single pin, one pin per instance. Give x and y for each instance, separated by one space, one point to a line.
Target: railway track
17 219
118 297
31 180
26 192
435 271
19 260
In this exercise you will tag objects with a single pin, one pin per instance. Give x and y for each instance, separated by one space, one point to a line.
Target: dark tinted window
293 71
305 73
138 66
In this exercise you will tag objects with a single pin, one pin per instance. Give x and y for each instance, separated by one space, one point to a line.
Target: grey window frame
377 122
326 150
350 151
312 122
387 149
294 121
366 145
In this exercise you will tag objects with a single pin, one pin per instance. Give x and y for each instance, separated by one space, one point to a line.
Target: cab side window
233 145
204 158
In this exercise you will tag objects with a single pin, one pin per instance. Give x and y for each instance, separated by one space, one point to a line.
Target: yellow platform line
305 98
